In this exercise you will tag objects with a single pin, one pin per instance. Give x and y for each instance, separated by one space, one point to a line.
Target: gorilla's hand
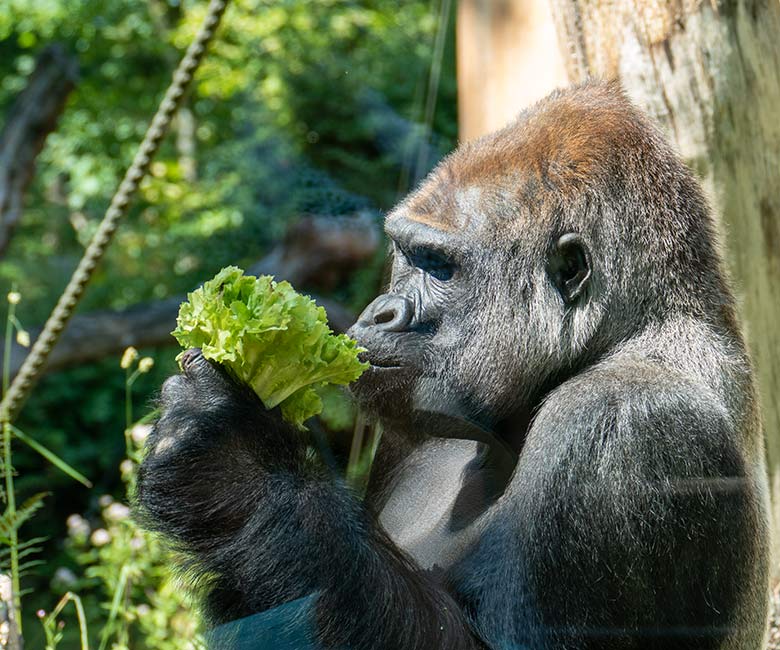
229 483
204 410
212 458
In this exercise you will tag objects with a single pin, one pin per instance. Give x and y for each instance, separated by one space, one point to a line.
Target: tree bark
31 118
709 73
507 59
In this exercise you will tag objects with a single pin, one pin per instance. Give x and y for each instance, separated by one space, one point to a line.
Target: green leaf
13 521
270 337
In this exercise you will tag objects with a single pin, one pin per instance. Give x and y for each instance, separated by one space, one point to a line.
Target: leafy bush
132 597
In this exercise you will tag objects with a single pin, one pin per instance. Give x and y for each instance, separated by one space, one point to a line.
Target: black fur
263 525
573 457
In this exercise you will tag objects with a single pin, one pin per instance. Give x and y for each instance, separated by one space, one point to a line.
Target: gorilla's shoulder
637 412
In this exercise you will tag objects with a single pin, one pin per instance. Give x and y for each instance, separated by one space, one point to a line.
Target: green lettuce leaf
270 337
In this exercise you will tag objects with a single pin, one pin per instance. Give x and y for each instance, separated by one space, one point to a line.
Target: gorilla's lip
378 363
384 365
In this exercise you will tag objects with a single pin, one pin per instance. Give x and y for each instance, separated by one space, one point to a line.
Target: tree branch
317 252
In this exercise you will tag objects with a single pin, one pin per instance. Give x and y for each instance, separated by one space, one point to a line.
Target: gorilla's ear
569 266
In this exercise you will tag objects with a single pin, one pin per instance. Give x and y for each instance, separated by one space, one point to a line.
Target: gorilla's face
473 323
412 332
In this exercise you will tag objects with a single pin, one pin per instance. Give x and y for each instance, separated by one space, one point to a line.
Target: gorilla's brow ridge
409 232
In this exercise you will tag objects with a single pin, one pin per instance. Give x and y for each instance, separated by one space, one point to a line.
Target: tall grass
16 556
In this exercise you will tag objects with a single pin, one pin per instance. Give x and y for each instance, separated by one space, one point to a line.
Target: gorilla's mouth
379 363
382 364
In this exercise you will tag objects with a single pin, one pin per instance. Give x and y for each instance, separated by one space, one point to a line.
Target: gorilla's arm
228 482
619 527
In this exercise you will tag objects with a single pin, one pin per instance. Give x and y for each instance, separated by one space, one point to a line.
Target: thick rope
30 371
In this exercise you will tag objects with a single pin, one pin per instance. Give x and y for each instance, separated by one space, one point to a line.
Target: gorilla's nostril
384 317
388 313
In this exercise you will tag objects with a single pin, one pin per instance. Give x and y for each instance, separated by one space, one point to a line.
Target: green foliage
131 598
271 338
134 600
279 93
276 126
53 627
18 557
338 409
11 522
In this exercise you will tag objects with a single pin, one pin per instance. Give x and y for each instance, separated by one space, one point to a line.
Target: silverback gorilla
572 454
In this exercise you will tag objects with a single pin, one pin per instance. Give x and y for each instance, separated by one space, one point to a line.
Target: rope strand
31 367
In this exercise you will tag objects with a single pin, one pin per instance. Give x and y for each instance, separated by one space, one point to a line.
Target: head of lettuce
270 337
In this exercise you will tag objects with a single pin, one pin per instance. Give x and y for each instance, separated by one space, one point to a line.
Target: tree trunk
507 59
709 73
31 118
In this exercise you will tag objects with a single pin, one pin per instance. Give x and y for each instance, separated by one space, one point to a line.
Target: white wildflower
140 432
77 526
116 512
129 355
145 364
126 468
63 579
100 537
23 338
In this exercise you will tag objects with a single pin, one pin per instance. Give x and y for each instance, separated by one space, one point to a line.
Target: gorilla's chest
434 509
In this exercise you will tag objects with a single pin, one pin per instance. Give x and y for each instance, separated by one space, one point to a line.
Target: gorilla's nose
389 313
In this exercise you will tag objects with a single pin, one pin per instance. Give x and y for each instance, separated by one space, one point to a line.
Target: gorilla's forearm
315 536
267 538
260 525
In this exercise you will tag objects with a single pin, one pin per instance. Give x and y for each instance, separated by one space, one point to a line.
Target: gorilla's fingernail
188 358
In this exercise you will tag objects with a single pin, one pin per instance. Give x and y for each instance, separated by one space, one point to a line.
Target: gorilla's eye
431 262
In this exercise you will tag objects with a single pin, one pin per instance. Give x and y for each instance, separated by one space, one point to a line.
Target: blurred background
306 122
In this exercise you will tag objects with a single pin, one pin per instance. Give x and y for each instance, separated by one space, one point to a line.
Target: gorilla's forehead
574 140
446 208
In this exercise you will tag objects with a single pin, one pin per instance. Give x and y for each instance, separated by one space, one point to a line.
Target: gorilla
572 456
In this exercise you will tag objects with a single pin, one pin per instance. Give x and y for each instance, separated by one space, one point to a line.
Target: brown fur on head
566 143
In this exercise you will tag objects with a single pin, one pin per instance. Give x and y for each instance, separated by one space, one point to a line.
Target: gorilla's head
527 255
